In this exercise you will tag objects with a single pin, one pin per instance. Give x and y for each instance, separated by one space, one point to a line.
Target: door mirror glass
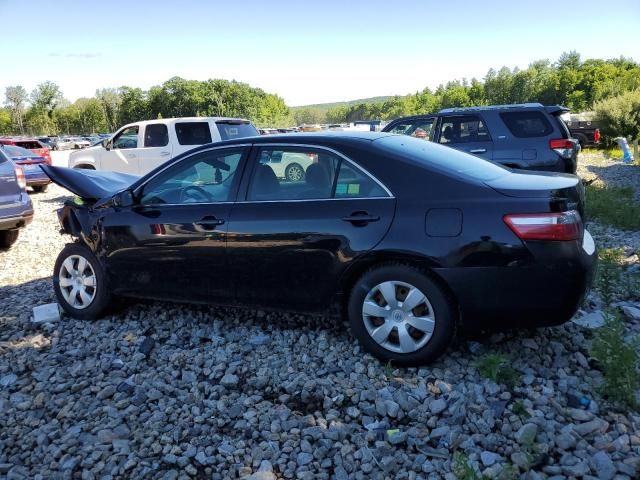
124 199
106 143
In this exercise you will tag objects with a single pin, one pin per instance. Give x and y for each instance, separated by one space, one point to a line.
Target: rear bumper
545 293
36 177
18 221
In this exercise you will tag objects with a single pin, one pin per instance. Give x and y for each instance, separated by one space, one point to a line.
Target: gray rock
631 312
438 406
304 458
147 345
8 380
392 408
591 320
106 392
229 380
489 458
593 426
526 434
260 340
565 441
603 465
396 438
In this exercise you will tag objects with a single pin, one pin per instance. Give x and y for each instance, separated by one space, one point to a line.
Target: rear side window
29 144
193 133
527 124
156 135
464 129
231 130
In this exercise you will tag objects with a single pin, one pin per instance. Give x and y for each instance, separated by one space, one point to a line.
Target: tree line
569 81
45 112
580 85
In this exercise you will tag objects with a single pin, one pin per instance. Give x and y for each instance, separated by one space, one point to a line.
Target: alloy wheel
77 281
295 173
398 316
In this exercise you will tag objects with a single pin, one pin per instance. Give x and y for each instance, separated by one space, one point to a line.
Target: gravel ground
172 391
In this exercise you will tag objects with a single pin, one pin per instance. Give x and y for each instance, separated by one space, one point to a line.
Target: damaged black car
409 240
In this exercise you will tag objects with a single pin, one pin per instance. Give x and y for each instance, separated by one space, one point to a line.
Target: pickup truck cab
138 148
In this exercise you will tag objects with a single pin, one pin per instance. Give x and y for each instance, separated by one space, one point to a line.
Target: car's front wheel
401 315
40 188
294 173
8 238
80 283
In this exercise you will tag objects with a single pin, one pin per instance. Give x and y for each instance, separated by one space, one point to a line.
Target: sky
305 51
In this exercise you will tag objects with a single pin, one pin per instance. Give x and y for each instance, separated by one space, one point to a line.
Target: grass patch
619 360
613 281
498 368
613 205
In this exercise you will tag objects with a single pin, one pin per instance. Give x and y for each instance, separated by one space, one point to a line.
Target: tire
294 173
40 188
98 297
8 238
437 310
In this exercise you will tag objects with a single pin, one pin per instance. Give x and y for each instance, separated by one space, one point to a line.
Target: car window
235 129
193 133
14 151
205 177
156 135
308 174
128 138
464 129
527 124
421 128
29 144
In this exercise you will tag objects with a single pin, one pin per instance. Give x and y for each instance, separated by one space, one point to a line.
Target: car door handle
360 219
130 155
208 223
478 150
165 154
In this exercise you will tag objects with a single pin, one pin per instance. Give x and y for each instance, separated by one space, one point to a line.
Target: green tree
6 122
109 99
620 116
134 105
16 99
308 116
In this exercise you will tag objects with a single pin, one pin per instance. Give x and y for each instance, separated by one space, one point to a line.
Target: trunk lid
564 190
89 184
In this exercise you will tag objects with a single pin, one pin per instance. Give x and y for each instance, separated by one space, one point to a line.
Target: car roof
184 119
517 106
310 138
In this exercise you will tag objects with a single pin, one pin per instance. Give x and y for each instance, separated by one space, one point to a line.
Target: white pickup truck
140 147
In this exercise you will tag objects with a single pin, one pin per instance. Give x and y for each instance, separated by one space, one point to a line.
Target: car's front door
156 148
171 244
290 239
467 133
122 152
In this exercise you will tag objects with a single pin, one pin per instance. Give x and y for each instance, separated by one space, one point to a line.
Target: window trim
443 119
261 146
239 170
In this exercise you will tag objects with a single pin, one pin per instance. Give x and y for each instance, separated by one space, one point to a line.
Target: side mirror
123 199
106 143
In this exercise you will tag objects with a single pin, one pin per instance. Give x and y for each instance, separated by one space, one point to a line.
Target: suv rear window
193 133
30 145
234 129
527 124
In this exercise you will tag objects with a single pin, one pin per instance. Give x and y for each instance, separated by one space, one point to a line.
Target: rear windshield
13 151
442 158
30 144
234 129
527 124
193 133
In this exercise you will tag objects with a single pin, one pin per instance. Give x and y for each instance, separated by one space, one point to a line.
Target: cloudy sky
305 51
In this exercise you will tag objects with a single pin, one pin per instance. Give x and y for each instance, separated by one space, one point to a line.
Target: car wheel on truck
401 315
8 238
80 283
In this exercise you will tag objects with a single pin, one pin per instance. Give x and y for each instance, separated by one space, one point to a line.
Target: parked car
30 144
62 143
16 210
411 240
47 141
585 130
291 166
79 142
30 163
527 136
140 147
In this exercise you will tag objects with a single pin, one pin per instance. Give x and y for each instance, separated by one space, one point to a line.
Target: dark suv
526 136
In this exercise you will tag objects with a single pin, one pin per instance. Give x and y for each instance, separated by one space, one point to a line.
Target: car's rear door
289 240
172 242
467 133
156 147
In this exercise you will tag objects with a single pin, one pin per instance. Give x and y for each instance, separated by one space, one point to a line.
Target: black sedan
410 240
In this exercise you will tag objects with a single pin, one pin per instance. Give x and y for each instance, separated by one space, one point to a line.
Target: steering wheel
199 194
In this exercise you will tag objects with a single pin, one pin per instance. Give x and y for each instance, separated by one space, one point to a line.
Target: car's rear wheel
294 173
400 314
8 238
80 283
40 188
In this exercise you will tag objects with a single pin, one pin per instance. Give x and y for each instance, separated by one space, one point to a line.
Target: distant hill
327 106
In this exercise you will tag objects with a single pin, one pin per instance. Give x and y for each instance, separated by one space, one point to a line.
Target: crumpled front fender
79 222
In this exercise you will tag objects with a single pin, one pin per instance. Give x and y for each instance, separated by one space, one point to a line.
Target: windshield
13 151
443 158
234 129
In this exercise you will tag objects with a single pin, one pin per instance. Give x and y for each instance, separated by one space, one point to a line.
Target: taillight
22 180
561 226
596 135
563 146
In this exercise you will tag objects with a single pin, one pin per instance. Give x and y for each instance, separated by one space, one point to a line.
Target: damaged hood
89 184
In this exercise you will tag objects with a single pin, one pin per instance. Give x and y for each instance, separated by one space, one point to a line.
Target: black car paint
302 256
